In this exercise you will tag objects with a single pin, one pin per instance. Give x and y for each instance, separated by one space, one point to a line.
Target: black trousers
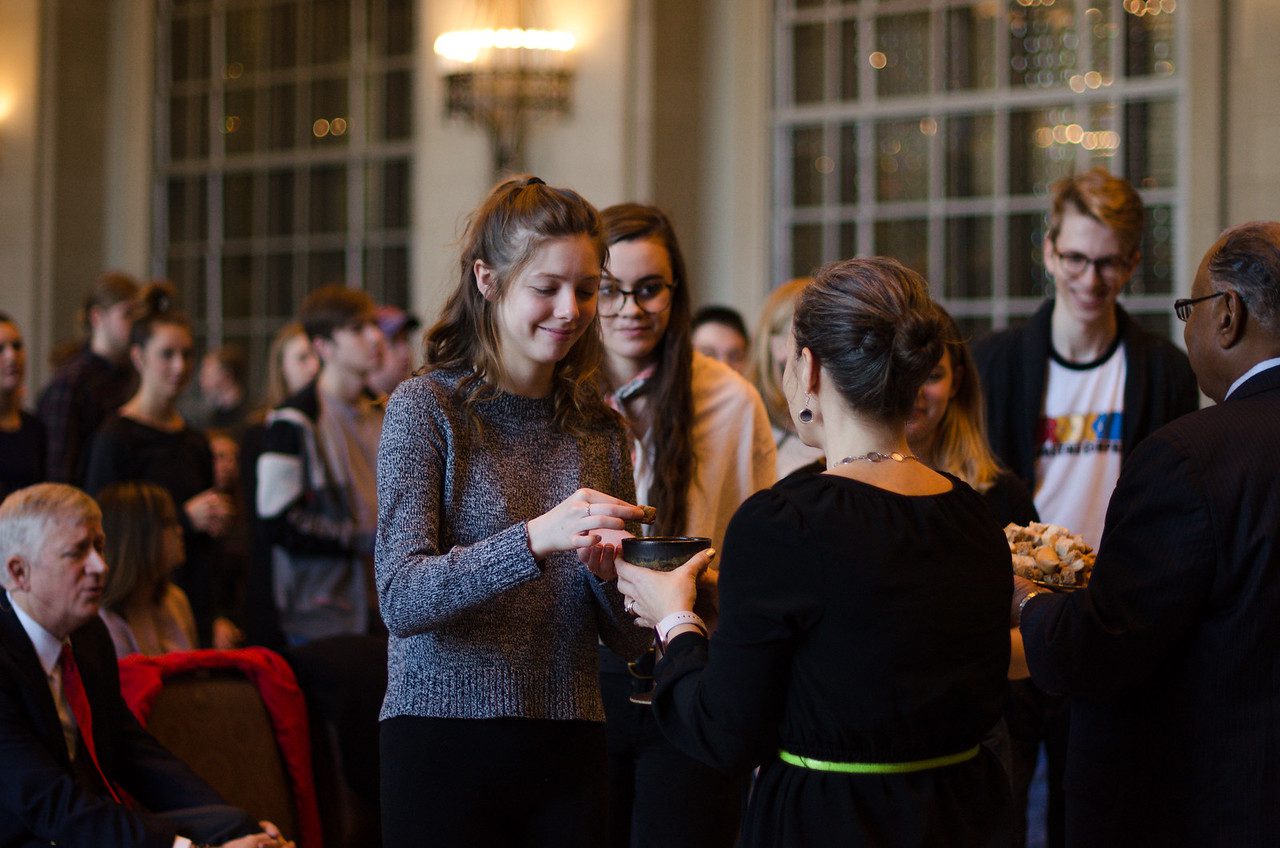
660 797
1035 716
492 782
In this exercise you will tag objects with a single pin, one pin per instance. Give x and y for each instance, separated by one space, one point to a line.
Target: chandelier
502 77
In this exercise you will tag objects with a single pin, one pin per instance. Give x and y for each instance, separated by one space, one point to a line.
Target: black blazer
41 800
1159 386
1172 655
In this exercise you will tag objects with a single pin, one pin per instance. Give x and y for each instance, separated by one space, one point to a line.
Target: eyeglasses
651 298
1076 264
1182 306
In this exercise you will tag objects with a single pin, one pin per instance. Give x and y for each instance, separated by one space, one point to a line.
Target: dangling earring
806 414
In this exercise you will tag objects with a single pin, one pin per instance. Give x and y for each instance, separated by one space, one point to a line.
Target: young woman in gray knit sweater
493 470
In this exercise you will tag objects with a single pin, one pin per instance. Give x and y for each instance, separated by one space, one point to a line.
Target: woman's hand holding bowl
653 595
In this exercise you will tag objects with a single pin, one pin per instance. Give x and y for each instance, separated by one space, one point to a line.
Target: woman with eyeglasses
701 445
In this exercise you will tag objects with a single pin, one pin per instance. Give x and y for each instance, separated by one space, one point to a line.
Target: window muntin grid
283 157
931 130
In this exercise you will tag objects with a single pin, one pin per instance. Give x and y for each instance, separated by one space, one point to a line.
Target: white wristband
676 619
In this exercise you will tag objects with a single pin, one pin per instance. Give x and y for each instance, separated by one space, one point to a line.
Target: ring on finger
630 606
588 510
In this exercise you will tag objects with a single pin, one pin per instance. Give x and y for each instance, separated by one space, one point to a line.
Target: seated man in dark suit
1172 653
77 768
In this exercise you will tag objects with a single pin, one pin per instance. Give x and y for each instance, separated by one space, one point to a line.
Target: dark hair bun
156 298
873 326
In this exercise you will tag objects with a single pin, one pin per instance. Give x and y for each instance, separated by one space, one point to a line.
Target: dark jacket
1013 364
1172 654
42 801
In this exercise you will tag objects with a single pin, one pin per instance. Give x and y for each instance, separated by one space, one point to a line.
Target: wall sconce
502 78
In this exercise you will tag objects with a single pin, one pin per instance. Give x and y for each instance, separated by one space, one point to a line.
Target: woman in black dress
149 440
22 436
862 646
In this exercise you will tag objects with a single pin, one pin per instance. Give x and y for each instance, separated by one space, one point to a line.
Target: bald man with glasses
1171 655
1069 395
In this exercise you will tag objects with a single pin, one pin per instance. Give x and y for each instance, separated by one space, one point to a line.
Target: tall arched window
930 130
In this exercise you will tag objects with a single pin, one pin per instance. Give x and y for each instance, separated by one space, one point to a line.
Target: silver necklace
876 456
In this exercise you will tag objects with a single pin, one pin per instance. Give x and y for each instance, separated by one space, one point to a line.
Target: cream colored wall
1252 181
453 165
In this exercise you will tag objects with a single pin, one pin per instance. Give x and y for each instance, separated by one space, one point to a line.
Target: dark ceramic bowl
662 553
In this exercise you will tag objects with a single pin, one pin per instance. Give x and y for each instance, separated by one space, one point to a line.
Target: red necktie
73 688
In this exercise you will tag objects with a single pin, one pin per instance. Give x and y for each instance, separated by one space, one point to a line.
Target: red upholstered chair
218 710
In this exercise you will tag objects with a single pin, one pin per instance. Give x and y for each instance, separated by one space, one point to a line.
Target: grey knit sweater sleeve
478 627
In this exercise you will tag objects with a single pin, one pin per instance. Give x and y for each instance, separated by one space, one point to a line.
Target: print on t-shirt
1078 443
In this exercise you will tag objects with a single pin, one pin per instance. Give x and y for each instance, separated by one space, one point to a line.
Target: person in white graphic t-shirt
1069 394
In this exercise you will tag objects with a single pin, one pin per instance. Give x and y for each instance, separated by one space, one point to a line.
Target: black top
860 625
182 463
22 455
83 393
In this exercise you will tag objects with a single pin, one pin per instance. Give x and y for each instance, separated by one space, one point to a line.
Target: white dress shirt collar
48 647
1254 371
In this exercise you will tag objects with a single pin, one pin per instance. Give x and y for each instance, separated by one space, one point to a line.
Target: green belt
878 768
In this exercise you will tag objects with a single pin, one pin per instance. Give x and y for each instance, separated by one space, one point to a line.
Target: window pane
329 113
237 205
1149 40
238 122
325 267
244 32
282 118
1040 148
237 286
387 192
970 54
279 285
902 160
970 155
395 276
188 209
806 249
849 60
330 31
967 273
808 63
328 199
189 48
1027 277
280 205
189 127
904 42
1042 44
397 105
906 241
397 28
1155 271
848 240
849 164
281 36
807 160
1150 143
